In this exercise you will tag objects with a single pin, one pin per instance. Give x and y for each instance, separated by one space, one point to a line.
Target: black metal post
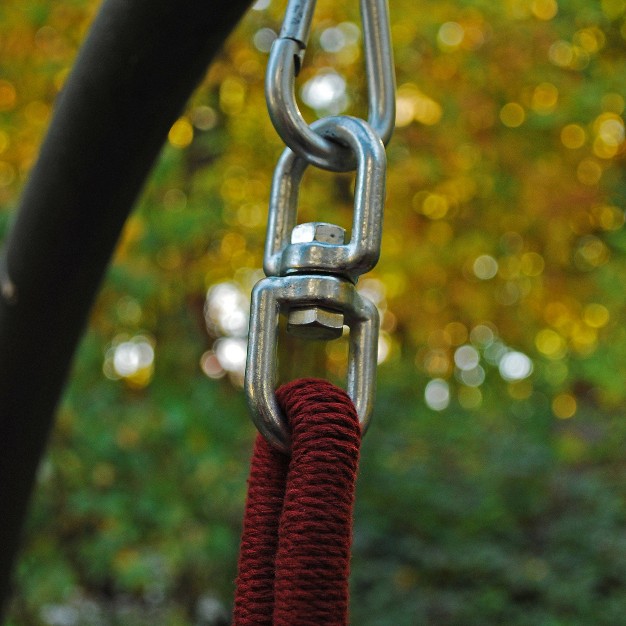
139 64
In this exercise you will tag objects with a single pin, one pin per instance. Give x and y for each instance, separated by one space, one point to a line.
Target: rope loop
294 560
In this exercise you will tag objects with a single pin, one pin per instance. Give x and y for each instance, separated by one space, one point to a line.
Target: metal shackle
274 295
360 254
284 64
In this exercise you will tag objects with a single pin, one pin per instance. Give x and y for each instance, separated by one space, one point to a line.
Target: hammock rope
294 559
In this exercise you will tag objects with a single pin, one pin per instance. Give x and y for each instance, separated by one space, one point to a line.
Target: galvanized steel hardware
282 294
286 57
311 270
361 253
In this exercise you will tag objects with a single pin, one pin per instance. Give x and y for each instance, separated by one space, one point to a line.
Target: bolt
315 323
318 231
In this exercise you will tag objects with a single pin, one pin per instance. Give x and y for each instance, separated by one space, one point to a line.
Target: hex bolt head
318 231
315 323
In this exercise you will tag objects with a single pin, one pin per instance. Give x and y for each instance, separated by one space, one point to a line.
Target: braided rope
294 561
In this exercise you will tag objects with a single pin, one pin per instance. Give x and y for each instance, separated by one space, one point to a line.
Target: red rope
295 549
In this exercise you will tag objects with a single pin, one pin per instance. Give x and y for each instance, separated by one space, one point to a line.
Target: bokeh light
466 358
231 354
226 309
437 394
130 359
515 365
512 114
264 38
485 267
181 133
326 92
450 35
564 406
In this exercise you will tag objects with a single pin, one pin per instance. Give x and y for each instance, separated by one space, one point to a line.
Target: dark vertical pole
132 77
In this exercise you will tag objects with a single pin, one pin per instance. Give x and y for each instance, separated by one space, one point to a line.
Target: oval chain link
361 253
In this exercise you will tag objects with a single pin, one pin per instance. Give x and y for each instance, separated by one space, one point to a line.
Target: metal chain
311 271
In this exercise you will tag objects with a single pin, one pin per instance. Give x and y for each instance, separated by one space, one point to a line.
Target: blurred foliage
500 497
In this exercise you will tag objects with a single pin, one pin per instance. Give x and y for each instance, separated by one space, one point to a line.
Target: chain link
361 253
311 271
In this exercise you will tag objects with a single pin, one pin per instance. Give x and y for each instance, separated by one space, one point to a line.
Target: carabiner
297 23
274 295
284 64
361 253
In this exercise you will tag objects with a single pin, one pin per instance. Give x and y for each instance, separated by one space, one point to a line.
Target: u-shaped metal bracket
284 63
361 253
275 295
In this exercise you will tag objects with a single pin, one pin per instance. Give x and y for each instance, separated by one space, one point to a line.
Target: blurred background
493 481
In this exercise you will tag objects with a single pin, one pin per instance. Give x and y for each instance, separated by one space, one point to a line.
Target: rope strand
254 600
